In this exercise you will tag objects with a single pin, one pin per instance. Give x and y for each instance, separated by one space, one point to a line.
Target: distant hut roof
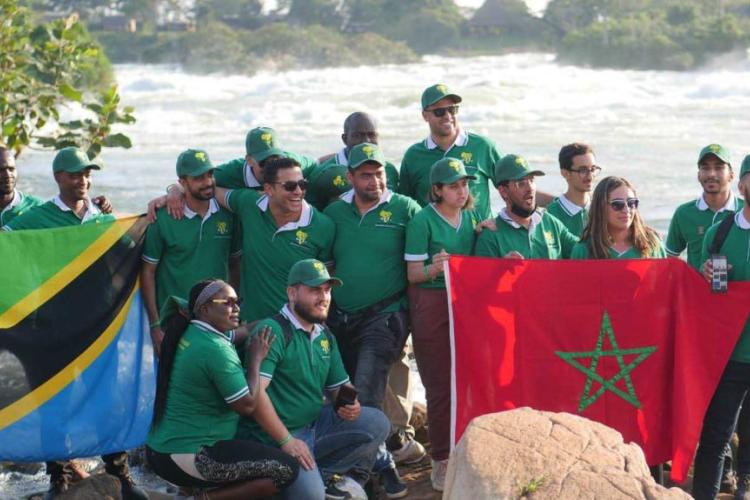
499 14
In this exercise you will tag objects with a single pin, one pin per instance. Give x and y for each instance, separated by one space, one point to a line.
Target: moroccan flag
638 345
76 368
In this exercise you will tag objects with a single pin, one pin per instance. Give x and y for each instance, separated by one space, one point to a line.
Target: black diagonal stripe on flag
58 331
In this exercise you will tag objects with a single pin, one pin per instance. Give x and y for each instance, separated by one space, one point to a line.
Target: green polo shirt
268 251
236 174
55 213
736 247
581 251
190 249
546 238
20 204
571 215
368 250
206 377
300 374
689 224
429 232
478 153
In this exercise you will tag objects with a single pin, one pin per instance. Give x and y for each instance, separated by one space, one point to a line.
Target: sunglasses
440 112
228 302
292 185
618 205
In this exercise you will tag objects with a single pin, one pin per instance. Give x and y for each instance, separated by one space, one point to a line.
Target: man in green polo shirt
691 220
178 253
278 229
448 139
12 201
302 365
521 230
578 168
369 317
722 414
359 128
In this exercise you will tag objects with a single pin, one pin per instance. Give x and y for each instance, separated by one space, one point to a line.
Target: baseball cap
448 171
331 182
193 162
261 142
717 150
745 166
512 168
72 160
362 153
433 94
310 272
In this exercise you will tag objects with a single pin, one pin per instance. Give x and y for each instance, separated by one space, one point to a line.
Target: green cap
72 160
193 162
745 168
439 91
448 171
362 153
512 168
717 150
261 142
310 272
331 182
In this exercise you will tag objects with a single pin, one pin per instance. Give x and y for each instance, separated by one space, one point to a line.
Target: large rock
537 454
94 487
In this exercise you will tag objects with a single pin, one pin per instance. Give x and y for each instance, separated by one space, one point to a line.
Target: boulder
94 487
525 453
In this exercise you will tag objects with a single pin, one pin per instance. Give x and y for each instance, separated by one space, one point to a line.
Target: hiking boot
344 488
392 484
743 487
437 476
728 482
411 452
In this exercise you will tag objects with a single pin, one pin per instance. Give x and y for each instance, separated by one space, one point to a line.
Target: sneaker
411 452
392 484
437 476
344 488
743 487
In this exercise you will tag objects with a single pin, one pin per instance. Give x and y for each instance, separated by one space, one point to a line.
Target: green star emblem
588 398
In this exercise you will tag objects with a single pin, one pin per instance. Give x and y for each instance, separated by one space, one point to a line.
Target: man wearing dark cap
334 444
521 230
448 139
181 252
12 201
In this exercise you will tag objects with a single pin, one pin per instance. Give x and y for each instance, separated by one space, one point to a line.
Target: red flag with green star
638 345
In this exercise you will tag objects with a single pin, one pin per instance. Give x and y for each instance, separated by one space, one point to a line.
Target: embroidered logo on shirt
701 230
339 181
325 345
301 237
466 157
221 227
385 216
549 237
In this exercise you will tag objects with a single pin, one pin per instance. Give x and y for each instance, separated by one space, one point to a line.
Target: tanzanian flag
76 365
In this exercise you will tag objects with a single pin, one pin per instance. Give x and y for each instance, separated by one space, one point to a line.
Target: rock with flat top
525 453
94 487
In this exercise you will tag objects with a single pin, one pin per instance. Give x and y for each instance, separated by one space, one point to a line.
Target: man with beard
521 230
335 445
691 220
181 252
12 201
370 322
578 168
359 128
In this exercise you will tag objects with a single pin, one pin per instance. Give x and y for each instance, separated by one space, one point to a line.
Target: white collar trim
341 158
91 209
213 207
461 140
536 218
17 199
317 329
250 180
571 207
731 203
460 221
741 221
206 326
304 219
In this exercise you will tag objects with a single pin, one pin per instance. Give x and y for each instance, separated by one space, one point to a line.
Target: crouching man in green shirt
521 230
336 448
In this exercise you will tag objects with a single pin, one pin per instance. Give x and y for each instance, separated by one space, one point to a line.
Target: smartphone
347 396
719 278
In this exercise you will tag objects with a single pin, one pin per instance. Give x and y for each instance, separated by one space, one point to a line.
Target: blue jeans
718 426
339 447
369 346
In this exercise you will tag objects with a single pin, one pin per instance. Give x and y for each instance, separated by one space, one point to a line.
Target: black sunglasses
619 205
440 112
292 185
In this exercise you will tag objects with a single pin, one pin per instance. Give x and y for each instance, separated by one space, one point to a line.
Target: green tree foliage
309 12
44 69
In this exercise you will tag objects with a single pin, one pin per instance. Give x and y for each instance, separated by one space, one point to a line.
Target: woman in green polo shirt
201 393
615 229
444 227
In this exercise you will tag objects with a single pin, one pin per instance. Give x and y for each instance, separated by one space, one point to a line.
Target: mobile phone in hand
347 396
719 278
